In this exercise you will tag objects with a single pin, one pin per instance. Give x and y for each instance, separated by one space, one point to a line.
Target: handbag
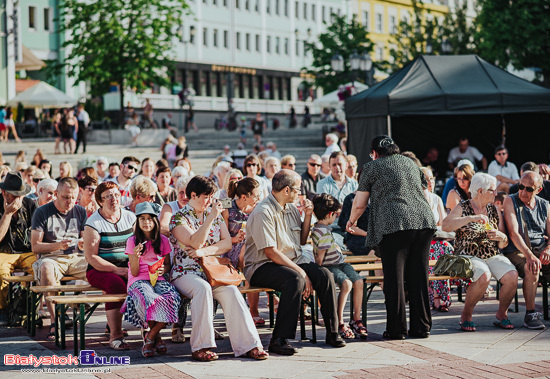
220 271
459 266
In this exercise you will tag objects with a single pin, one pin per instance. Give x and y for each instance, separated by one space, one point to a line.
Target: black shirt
309 185
18 235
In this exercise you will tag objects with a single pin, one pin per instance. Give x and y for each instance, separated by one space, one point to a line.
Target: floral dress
236 219
440 288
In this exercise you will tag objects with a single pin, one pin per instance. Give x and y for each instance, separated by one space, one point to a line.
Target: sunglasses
132 168
37 180
251 164
313 164
528 189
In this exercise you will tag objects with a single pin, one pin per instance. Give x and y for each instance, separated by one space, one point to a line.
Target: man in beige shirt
273 258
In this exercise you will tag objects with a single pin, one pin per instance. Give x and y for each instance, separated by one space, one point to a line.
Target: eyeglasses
528 189
462 180
111 196
251 164
37 180
313 164
297 190
91 189
257 197
432 179
132 168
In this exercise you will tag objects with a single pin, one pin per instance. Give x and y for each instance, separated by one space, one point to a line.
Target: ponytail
239 187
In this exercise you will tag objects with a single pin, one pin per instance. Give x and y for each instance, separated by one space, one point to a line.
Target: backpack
17 307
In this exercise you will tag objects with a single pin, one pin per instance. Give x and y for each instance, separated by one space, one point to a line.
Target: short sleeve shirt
149 256
509 170
322 239
58 227
328 185
271 225
471 153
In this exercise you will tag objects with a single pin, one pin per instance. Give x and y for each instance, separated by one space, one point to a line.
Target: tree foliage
460 31
128 42
343 37
516 32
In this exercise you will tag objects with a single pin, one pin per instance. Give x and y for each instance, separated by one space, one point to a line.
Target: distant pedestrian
83 119
10 125
258 126
191 120
148 113
292 118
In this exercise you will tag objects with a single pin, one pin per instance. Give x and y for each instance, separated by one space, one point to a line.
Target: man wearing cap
56 238
15 227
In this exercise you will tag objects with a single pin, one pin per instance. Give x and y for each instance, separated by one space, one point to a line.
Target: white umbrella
330 100
43 95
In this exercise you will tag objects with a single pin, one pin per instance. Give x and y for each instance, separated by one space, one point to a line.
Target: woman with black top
401 226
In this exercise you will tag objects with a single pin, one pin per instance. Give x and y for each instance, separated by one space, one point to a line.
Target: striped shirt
113 236
321 236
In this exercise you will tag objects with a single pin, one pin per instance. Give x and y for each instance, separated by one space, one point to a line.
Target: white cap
465 161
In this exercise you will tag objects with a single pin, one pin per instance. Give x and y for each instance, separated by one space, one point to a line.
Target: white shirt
471 153
509 170
331 148
125 197
84 117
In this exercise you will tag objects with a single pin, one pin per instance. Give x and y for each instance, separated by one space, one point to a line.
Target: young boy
328 254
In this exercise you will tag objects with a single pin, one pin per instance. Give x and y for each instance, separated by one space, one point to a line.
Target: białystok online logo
87 357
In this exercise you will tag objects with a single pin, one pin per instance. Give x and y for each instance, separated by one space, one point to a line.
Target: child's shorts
344 271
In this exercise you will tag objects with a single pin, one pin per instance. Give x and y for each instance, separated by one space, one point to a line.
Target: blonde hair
228 175
142 186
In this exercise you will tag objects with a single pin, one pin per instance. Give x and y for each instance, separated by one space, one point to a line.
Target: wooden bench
81 315
354 259
36 293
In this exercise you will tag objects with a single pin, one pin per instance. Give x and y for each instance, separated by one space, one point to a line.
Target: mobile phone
226 203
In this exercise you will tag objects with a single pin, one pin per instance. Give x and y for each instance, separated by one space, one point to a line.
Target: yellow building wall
399 10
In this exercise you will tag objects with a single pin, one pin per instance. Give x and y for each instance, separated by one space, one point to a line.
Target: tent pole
503 130
389 126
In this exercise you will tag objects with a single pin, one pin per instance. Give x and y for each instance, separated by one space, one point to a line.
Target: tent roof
29 62
449 85
43 95
331 99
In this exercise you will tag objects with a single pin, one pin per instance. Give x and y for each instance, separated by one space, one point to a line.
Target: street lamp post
358 62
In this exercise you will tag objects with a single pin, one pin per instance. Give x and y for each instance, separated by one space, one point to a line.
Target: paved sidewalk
488 353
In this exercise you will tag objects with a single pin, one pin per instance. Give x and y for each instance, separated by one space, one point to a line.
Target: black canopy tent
436 99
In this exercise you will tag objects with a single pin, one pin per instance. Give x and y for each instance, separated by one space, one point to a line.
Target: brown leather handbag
220 271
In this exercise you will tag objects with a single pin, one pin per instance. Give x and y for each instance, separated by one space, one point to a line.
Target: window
379 25
32 17
258 42
215 38
305 48
191 34
323 13
379 53
366 23
392 25
305 11
286 46
47 13
237 4
226 39
297 10
313 15
297 47
204 1
268 44
205 37
214 2
286 7
247 5
247 41
331 14
277 7
277 45
238 40
268 6
225 3
257 6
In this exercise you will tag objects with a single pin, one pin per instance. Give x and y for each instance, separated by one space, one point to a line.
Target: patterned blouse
472 239
397 201
236 219
182 264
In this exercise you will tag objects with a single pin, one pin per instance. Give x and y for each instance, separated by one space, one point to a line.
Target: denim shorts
344 271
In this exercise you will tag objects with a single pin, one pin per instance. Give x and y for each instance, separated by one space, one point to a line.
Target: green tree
342 37
459 31
516 32
128 42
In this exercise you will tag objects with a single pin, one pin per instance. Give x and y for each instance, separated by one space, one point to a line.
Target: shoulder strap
524 226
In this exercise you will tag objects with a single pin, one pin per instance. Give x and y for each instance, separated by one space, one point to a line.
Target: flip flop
503 324
468 324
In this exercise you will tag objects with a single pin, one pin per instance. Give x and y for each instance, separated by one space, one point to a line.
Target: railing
204 103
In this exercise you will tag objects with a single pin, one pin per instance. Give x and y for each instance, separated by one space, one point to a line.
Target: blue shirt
328 185
2 116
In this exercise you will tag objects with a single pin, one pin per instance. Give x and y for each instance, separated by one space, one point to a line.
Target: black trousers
405 257
291 285
80 137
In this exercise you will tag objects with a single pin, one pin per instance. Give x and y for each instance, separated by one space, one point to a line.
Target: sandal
468 326
160 346
148 348
358 328
204 355
258 321
503 324
442 308
108 331
51 334
119 344
177 335
258 354
345 331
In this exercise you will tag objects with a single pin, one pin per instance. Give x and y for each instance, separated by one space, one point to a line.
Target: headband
385 143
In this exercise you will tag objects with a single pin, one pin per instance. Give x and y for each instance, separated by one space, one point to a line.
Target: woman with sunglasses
37 177
87 186
253 168
463 176
105 236
480 234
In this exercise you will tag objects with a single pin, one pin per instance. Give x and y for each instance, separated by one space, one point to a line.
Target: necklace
476 209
